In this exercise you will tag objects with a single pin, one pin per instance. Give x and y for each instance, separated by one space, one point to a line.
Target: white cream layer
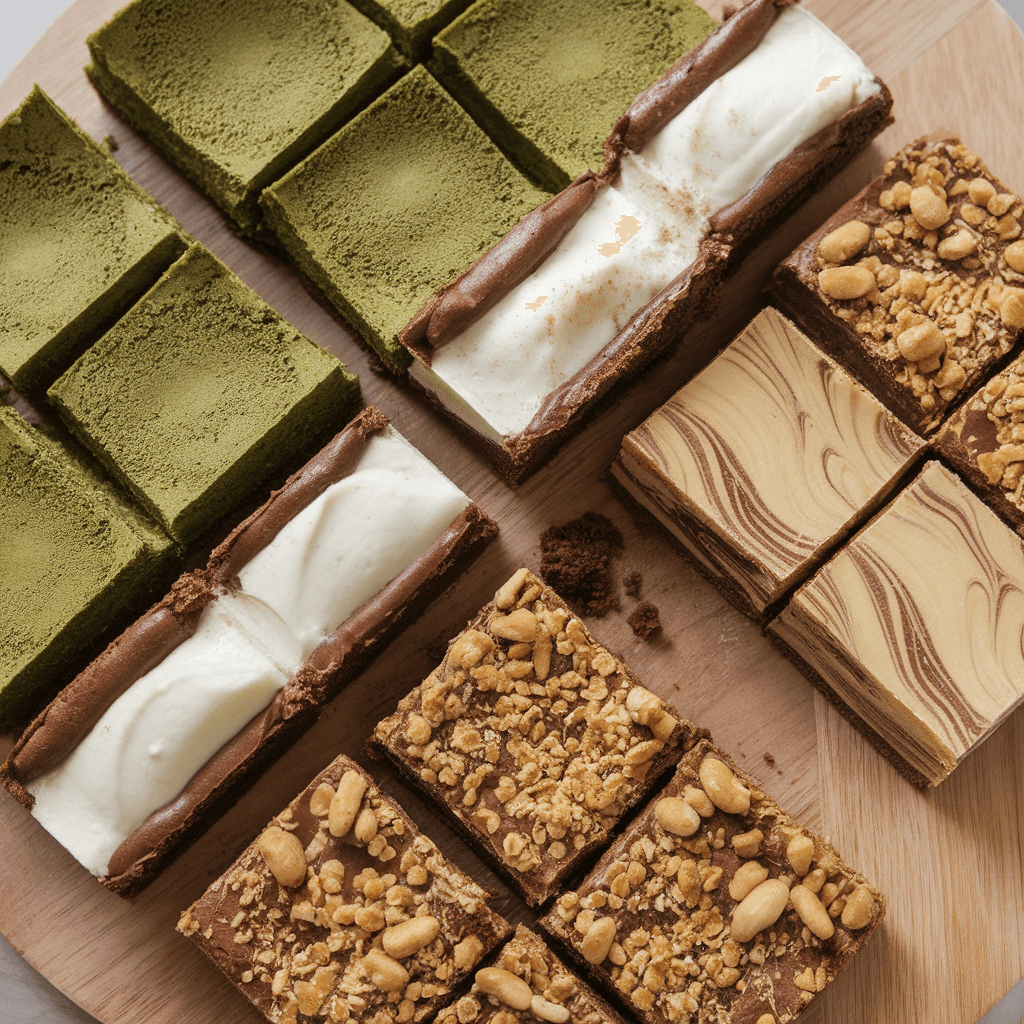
641 233
320 568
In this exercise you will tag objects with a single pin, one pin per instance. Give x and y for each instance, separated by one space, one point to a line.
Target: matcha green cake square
397 204
548 79
200 394
411 23
75 565
79 243
234 92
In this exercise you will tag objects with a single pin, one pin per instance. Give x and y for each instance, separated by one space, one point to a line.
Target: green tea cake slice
81 242
235 93
200 394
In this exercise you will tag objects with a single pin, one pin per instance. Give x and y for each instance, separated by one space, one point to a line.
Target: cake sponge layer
200 394
81 242
236 92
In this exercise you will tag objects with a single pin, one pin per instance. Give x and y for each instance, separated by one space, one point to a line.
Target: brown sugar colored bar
532 737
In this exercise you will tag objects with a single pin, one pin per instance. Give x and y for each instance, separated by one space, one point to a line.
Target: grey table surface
26 997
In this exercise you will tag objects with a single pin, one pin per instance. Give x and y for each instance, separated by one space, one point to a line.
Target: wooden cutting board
950 859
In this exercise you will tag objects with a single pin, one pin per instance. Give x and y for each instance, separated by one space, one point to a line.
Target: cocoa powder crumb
576 559
644 620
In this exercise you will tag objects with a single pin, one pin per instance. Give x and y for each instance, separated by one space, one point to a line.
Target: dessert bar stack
451 167
801 492
711 903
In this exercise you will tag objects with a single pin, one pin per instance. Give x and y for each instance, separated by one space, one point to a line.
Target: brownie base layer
334 663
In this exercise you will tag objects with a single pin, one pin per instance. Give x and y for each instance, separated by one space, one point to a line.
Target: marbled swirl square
764 461
917 625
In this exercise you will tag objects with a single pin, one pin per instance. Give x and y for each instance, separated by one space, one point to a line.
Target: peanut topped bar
715 906
528 977
917 283
342 910
534 738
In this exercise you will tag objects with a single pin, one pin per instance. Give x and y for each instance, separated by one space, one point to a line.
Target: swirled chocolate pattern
918 623
765 460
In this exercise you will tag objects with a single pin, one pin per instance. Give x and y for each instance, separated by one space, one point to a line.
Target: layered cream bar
342 910
169 724
237 92
200 394
532 737
74 563
546 79
715 905
610 272
917 284
765 461
395 205
81 242
914 627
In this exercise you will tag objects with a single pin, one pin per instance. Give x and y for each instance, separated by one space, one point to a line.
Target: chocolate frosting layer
66 721
738 36
452 309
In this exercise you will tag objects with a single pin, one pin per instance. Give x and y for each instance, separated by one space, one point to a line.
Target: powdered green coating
79 242
236 91
200 394
411 23
399 203
72 569
548 79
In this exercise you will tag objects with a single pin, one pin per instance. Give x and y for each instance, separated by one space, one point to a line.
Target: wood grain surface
949 859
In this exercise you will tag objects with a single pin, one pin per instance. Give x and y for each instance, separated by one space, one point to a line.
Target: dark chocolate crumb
632 583
576 561
644 620
769 760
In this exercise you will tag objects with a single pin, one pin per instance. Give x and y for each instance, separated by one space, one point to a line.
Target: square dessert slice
81 242
716 905
532 737
917 284
612 271
528 978
74 565
343 910
984 439
200 393
914 627
179 715
547 79
235 93
765 461
396 205
412 23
